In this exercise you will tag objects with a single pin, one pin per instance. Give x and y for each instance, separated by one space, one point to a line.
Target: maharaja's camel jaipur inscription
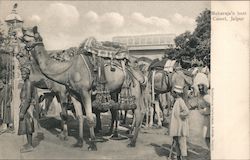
235 16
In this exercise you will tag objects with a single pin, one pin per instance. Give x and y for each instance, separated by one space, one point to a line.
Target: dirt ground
151 144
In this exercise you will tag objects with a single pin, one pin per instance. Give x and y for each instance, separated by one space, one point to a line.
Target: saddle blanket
106 49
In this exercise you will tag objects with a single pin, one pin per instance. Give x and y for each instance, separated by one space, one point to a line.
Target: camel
159 86
76 75
152 106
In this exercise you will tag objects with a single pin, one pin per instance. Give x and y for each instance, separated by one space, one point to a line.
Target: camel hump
162 81
106 49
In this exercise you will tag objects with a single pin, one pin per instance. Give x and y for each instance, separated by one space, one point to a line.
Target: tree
203 28
203 33
197 43
6 57
1 33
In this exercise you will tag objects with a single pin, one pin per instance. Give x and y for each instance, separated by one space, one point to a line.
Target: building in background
151 46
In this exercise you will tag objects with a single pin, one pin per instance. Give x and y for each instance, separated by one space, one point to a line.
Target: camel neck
41 56
52 69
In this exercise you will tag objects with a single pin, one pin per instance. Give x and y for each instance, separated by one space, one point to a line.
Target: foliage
6 64
1 33
197 43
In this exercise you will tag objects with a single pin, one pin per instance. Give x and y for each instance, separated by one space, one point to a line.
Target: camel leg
114 114
120 113
86 98
79 115
61 98
139 113
157 110
151 111
147 117
98 122
113 117
168 103
163 105
125 117
48 101
133 124
138 118
147 104
116 125
37 107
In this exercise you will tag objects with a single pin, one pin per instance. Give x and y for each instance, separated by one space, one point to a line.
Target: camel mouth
28 38
28 35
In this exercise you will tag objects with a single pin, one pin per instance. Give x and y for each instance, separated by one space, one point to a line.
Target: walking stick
171 150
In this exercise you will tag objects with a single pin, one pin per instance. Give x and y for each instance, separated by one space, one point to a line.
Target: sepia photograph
106 79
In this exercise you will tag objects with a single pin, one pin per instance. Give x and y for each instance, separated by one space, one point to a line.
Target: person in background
180 79
6 102
179 127
26 123
1 100
201 78
204 107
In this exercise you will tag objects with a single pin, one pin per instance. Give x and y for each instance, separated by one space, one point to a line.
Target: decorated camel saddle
115 55
165 68
112 50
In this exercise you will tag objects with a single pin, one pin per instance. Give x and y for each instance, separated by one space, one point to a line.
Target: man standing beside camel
26 123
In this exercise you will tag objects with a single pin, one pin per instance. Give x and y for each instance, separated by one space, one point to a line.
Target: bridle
30 45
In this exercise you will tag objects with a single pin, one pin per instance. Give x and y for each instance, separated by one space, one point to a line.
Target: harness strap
89 71
153 86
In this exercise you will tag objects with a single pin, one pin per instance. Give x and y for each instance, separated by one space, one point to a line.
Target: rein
33 45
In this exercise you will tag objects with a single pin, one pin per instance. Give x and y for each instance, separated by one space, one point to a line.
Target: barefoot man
26 124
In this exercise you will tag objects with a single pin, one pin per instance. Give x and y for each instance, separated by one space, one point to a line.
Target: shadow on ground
194 151
54 126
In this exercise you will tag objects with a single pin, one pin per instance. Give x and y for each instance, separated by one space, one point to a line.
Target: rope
153 86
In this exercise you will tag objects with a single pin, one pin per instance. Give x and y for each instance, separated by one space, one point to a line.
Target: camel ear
35 29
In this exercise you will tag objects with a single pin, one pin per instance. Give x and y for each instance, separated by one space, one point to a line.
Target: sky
65 24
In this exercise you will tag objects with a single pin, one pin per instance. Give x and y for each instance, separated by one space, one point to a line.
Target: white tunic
179 126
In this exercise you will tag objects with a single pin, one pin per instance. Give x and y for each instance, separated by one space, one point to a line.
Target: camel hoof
92 147
128 132
159 126
63 137
108 134
131 145
27 148
40 136
79 144
123 123
97 131
150 125
115 135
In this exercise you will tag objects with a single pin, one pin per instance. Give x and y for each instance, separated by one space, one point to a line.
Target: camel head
28 35
28 38
31 38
